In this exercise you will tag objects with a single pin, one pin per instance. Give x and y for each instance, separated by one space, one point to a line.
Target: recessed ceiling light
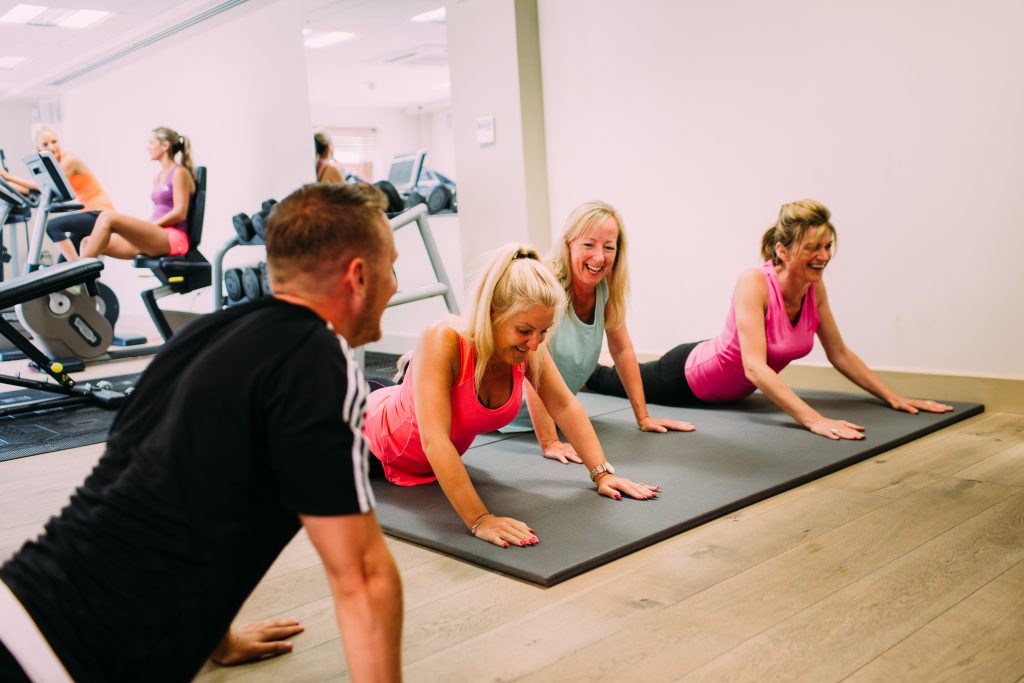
22 14
325 39
435 16
83 18
10 62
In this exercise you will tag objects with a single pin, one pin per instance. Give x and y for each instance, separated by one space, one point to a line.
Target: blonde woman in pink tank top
776 312
418 436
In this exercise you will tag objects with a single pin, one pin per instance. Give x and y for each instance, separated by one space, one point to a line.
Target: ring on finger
835 430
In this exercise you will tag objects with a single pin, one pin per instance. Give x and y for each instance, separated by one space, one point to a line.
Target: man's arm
367 592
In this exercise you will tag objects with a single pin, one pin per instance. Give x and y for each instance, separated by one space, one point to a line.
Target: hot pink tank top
714 369
394 437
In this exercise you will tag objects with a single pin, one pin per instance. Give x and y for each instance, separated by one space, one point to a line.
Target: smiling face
808 257
592 255
518 334
48 142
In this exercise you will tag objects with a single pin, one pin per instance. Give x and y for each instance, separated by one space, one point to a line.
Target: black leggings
73 225
664 379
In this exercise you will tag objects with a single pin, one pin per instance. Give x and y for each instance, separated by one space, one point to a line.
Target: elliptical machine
71 323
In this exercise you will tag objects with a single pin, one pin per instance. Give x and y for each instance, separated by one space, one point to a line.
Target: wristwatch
601 469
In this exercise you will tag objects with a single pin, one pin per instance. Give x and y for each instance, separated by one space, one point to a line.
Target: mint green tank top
575 347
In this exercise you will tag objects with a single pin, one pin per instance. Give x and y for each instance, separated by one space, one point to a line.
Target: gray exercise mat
740 453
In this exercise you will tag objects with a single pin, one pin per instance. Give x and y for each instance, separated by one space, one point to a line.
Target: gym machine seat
179 274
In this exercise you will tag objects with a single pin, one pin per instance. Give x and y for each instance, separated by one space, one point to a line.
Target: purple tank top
714 369
163 197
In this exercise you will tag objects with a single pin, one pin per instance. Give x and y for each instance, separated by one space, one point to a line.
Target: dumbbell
233 285
265 279
251 284
243 227
259 220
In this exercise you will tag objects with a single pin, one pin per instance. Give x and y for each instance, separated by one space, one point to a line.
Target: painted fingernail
504 545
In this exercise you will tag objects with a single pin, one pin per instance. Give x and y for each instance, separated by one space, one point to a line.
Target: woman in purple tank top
776 312
466 380
121 236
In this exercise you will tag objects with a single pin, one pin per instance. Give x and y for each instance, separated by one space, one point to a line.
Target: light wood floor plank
979 639
1006 467
732 610
923 462
838 635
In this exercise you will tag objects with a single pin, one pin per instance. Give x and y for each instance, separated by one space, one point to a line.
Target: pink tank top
714 369
394 437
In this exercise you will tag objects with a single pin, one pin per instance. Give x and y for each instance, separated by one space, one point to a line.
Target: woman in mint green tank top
589 260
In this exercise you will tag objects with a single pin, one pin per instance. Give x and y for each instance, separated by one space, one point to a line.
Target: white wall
15 123
503 193
698 119
15 138
236 88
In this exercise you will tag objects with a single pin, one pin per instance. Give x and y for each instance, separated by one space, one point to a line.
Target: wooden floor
907 567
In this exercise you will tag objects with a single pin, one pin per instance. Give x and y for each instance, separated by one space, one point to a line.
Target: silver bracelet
478 522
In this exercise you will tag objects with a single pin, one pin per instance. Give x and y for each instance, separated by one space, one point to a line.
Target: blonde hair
178 143
40 129
513 280
580 223
795 220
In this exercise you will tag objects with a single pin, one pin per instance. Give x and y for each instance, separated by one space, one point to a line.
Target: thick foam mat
54 429
740 453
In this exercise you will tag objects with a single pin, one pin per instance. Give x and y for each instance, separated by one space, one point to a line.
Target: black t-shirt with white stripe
246 419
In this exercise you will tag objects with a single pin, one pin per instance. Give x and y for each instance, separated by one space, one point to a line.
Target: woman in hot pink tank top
122 236
419 437
776 312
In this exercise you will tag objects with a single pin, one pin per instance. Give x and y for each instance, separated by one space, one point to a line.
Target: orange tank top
90 192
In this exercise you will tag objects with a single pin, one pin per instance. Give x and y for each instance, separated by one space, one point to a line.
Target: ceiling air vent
421 55
146 42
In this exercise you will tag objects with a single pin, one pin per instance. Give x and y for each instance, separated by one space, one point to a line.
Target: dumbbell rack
218 266
417 214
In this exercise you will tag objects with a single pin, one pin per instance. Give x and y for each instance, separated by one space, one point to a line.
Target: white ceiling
352 74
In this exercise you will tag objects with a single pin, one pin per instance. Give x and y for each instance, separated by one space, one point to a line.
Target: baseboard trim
998 394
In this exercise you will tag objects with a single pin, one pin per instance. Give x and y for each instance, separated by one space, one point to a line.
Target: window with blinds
354 149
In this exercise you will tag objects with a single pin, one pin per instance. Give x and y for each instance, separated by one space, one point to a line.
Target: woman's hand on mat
613 487
505 531
836 429
662 425
914 405
246 642
562 452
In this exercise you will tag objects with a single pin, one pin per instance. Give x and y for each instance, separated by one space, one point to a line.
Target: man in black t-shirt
245 427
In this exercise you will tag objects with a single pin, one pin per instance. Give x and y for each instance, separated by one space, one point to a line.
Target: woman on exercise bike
67 230
589 260
125 237
464 380
776 311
